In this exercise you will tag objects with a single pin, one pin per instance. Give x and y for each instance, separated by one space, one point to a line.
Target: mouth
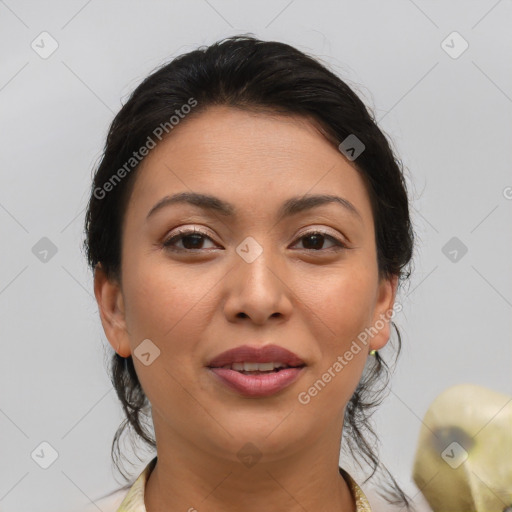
248 358
257 371
248 368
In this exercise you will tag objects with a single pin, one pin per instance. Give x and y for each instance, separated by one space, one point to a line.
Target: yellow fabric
134 500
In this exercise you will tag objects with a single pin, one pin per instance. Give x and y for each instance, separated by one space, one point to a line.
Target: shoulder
109 503
361 501
127 498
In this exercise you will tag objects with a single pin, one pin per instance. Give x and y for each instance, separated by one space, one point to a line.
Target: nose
259 290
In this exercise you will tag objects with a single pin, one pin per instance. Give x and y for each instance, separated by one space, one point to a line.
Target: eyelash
185 233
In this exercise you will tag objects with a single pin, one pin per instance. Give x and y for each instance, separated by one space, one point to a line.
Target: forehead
249 158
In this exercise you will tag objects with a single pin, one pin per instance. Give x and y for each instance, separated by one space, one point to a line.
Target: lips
257 372
251 354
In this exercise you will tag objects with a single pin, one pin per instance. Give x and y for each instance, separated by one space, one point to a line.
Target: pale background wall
449 118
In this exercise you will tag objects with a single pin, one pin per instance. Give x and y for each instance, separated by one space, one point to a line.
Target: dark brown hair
247 73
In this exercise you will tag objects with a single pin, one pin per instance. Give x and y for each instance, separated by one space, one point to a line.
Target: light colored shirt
134 500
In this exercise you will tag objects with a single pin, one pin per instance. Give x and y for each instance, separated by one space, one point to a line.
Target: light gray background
450 122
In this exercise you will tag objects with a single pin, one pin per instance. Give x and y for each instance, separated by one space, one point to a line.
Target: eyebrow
290 207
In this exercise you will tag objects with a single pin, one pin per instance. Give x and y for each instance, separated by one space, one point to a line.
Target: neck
189 479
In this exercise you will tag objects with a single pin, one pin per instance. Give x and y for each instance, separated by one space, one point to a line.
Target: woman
248 228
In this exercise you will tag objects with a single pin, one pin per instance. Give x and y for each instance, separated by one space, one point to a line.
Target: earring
373 352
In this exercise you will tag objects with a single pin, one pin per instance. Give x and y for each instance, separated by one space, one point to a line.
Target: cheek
167 307
345 307
163 304
342 311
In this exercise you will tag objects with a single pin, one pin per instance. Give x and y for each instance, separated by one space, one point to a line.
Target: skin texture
194 305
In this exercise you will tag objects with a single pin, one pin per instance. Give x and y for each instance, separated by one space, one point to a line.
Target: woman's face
200 296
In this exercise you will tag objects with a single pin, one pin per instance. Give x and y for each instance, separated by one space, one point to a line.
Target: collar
134 500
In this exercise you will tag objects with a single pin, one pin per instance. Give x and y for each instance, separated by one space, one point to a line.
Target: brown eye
190 239
316 239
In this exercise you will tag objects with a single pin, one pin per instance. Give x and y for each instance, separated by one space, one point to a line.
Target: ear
109 297
381 325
